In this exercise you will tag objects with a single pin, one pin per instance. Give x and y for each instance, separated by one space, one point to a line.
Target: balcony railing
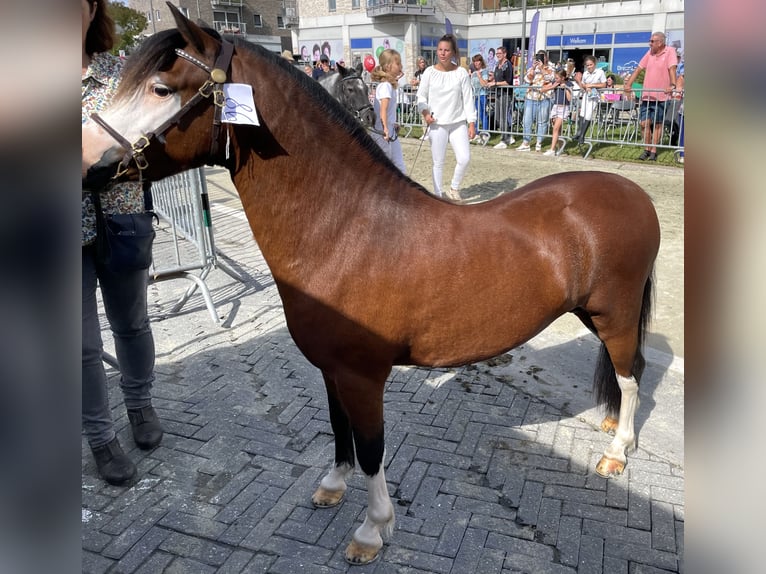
505 5
230 27
226 2
393 7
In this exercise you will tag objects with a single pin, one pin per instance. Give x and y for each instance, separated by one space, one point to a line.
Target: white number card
238 105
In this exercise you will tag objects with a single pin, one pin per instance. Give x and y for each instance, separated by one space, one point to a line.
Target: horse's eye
161 91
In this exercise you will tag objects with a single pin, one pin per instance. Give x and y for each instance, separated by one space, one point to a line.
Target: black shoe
147 431
653 156
113 464
646 154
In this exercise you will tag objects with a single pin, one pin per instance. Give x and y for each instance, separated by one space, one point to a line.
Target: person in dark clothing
323 68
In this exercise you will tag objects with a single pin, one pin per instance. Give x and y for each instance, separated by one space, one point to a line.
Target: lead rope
425 134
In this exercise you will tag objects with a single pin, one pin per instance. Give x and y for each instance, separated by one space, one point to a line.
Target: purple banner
532 39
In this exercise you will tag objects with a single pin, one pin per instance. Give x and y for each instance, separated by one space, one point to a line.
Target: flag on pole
532 39
447 26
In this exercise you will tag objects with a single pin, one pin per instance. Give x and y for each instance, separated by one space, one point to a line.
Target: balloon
369 63
379 51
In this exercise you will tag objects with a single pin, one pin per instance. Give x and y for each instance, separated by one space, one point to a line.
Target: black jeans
124 296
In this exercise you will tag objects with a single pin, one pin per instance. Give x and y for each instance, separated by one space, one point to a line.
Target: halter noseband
213 86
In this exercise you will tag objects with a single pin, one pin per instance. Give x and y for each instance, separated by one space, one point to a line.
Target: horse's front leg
378 523
614 459
361 397
332 487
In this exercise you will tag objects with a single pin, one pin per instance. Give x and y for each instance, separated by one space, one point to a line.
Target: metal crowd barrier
182 201
615 118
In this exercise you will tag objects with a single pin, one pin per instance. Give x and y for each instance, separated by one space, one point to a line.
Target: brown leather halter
213 86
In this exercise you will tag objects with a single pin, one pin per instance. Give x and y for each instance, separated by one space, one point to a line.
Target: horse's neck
307 174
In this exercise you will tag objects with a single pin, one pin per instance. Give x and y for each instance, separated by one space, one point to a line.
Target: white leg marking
378 525
625 436
335 480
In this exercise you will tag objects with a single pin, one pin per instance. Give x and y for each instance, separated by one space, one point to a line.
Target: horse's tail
605 385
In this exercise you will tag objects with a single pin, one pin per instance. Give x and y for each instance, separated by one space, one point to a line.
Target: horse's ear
192 33
359 68
342 70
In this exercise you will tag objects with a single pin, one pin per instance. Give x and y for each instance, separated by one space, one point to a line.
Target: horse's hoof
609 425
608 467
360 554
323 498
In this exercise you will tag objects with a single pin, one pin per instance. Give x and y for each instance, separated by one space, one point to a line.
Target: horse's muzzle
367 118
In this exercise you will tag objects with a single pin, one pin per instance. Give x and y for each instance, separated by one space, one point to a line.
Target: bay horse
373 271
347 86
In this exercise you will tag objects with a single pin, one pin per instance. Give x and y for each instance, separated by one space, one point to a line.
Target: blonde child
387 74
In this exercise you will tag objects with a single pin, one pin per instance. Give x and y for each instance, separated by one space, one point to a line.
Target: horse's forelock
155 54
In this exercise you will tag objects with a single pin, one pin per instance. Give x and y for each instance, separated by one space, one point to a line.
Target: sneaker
653 156
681 159
454 195
645 155
501 145
512 140
523 147
538 148
550 152
424 136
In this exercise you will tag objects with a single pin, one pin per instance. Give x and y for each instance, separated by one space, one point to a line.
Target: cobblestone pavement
489 466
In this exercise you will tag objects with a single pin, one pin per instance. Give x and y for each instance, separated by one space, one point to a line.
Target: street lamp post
523 37
151 12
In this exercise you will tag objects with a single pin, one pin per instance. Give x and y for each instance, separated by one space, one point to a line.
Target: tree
129 24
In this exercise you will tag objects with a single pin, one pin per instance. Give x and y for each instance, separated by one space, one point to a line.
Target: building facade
264 22
615 31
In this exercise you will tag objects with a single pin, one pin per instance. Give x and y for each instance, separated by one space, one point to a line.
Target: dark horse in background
347 86
372 269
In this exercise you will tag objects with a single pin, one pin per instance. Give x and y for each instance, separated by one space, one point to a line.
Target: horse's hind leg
332 487
618 372
609 424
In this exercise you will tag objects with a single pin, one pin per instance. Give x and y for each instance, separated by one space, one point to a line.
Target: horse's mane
157 53
332 109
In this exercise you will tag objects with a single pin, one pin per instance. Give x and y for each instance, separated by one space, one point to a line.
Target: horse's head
158 104
349 89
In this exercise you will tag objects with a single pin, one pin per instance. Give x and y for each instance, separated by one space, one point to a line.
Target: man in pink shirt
660 63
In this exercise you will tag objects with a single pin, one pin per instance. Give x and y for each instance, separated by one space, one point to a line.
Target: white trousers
392 149
457 136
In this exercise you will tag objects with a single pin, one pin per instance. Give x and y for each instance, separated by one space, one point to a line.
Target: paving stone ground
489 466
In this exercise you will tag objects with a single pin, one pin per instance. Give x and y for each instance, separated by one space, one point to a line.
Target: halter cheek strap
213 86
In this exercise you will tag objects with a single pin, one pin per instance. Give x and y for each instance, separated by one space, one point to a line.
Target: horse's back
598 206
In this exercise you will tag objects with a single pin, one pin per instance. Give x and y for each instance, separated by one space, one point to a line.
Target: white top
447 95
382 91
597 76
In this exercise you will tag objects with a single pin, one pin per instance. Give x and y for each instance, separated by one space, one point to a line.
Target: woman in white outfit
387 74
590 82
445 99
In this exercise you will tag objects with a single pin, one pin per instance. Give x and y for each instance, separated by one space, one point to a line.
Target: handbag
124 240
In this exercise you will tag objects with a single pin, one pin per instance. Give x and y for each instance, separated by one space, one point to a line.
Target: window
149 16
184 11
281 22
331 5
157 15
227 22
257 21
354 4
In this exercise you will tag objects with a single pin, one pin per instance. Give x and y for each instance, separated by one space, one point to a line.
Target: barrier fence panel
614 117
182 201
